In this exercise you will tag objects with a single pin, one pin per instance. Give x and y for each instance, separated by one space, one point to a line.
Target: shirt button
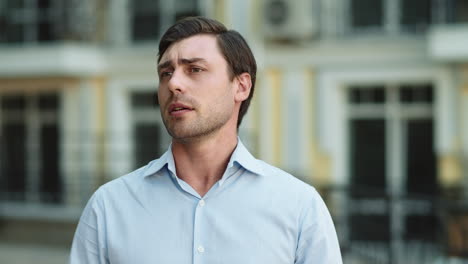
202 203
201 249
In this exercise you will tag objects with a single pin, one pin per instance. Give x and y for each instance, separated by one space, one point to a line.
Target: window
44 21
29 21
368 157
30 148
185 8
413 16
146 19
149 134
392 162
150 17
367 13
457 11
416 14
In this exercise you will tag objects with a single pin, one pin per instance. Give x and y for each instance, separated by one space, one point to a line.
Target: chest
208 232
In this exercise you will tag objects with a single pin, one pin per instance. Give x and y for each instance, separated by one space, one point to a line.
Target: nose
176 82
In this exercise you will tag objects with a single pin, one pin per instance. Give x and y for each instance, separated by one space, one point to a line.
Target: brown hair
232 45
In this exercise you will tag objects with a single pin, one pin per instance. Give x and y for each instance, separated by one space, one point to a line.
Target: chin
181 134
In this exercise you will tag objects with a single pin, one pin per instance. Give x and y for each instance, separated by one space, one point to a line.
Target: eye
163 74
196 69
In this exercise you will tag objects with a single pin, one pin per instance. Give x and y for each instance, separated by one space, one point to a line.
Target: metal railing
398 229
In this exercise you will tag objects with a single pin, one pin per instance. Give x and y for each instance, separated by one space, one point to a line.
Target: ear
243 85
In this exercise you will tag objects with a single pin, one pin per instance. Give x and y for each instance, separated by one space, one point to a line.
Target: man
207 200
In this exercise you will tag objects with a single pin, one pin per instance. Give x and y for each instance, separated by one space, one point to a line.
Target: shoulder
295 196
284 180
120 187
120 182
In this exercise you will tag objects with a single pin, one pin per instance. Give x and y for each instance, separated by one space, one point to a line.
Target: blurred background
367 100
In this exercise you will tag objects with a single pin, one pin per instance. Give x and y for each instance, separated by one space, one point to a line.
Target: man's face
196 94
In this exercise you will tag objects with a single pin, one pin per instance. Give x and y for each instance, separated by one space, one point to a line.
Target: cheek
162 96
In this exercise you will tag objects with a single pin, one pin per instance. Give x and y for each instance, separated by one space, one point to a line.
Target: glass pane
44 4
367 13
145 99
421 159
368 178
421 93
367 160
147 143
421 183
373 95
406 94
13 161
145 27
14 33
378 95
354 95
45 32
370 227
50 180
13 102
3 26
186 4
460 11
14 4
426 94
416 14
146 20
145 6
186 8
421 227
48 102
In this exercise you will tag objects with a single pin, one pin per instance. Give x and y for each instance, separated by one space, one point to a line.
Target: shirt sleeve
88 245
318 242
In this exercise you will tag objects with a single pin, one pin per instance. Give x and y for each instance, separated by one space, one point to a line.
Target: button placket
201 249
199 246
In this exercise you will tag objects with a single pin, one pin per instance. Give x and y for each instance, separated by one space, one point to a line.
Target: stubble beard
197 128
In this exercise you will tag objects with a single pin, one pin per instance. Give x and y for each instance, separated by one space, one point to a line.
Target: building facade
365 99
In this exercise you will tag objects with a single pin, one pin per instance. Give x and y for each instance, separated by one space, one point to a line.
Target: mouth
178 109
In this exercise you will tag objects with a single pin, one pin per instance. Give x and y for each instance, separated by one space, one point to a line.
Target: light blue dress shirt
255 214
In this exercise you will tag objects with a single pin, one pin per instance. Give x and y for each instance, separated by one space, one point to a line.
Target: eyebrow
181 61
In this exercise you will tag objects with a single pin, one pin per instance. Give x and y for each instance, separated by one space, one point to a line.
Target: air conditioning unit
290 20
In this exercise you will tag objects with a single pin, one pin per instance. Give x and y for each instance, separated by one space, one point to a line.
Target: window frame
34 120
397 115
391 22
168 11
147 115
30 17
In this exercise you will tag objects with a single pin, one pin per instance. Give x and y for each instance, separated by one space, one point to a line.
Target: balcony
448 39
53 59
449 42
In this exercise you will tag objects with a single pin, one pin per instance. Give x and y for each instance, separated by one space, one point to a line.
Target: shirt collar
240 156
243 157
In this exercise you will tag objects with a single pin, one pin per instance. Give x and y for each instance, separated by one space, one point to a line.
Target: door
392 168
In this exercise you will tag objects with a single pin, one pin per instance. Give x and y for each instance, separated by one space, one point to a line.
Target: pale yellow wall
320 162
99 84
450 165
464 78
35 85
254 112
219 10
450 171
275 77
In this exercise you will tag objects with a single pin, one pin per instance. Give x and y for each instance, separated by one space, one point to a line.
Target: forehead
199 46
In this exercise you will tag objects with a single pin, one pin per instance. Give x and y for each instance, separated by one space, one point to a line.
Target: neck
201 163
